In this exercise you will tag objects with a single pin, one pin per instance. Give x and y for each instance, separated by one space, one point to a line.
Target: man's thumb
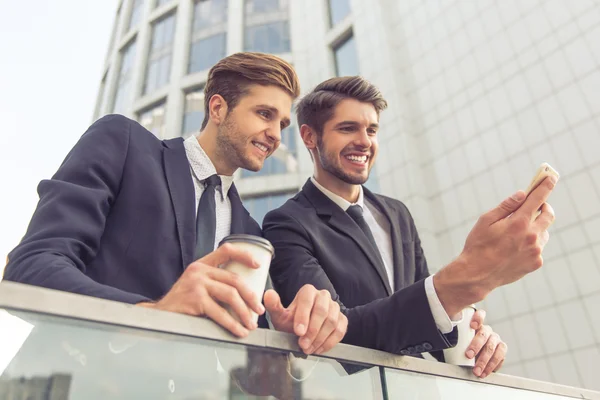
273 302
507 207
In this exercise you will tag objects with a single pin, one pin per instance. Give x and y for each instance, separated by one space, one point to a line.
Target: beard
330 163
232 146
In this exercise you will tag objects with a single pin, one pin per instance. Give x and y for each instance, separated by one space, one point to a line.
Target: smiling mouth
362 160
261 147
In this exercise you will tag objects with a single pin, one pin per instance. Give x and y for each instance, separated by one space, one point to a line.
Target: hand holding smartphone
544 171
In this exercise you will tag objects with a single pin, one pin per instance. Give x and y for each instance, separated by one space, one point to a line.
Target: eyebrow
373 125
285 120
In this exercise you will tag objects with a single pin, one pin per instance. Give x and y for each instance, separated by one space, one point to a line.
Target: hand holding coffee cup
457 355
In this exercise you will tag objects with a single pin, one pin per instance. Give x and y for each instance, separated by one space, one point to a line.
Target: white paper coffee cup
456 355
256 279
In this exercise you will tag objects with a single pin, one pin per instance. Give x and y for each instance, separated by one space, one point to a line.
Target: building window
346 60
268 38
160 3
159 59
136 14
284 160
338 10
258 207
266 26
153 119
194 113
123 92
209 34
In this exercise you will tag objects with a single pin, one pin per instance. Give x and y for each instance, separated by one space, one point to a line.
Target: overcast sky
51 58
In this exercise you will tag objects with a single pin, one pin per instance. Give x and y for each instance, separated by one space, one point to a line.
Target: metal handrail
16 296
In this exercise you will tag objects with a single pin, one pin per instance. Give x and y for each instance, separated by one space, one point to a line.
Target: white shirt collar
201 165
339 200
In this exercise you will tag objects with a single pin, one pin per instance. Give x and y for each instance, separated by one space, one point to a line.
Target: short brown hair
318 106
232 76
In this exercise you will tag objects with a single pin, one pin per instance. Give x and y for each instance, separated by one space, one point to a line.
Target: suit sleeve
65 231
400 324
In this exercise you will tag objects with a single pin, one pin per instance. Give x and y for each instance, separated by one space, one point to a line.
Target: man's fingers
504 209
228 252
536 198
480 339
496 360
486 354
543 238
320 311
336 336
499 365
229 295
218 314
328 327
546 217
233 280
478 319
303 303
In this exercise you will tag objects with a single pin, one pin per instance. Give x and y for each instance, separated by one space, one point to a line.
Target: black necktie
356 213
206 218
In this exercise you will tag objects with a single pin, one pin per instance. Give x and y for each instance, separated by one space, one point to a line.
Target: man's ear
217 109
309 137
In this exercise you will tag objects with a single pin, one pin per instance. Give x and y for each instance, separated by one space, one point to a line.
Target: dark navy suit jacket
117 220
317 243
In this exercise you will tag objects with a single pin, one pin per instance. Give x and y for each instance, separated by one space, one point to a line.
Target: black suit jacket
316 242
117 220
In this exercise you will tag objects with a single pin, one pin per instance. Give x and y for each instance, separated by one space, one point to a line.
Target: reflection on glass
346 60
159 59
205 53
194 113
80 360
123 94
136 13
265 6
268 38
154 120
338 9
258 207
208 13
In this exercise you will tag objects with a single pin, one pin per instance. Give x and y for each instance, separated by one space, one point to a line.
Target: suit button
419 348
411 350
427 346
404 352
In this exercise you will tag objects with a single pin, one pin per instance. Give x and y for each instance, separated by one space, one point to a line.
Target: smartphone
544 171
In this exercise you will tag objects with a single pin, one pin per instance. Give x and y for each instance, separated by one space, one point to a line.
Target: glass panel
60 358
154 120
268 38
265 6
160 3
136 13
208 13
411 385
346 60
338 10
194 113
258 207
159 59
123 95
205 53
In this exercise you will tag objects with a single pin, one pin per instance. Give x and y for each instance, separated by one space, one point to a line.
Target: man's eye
265 114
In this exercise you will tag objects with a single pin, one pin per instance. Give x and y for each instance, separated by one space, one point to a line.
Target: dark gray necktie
357 214
206 218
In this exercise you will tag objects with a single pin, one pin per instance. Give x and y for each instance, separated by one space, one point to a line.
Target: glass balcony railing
56 345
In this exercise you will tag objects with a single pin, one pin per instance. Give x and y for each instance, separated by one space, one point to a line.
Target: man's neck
347 191
208 141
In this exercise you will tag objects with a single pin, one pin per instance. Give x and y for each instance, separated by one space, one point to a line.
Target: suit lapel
396 236
181 188
342 222
239 214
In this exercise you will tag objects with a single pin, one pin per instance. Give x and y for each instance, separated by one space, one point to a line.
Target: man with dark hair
131 218
365 250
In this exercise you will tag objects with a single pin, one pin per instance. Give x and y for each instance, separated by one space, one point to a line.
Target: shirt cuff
442 320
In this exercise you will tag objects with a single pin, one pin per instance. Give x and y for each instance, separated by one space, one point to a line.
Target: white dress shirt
381 229
202 168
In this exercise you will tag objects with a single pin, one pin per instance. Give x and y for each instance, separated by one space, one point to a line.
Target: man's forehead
354 110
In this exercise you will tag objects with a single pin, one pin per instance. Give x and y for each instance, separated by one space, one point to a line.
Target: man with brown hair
131 218
365 250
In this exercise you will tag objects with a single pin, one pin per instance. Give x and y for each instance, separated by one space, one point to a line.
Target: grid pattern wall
486 92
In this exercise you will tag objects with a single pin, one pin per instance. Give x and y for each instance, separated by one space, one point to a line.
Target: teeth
362 159
260 146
